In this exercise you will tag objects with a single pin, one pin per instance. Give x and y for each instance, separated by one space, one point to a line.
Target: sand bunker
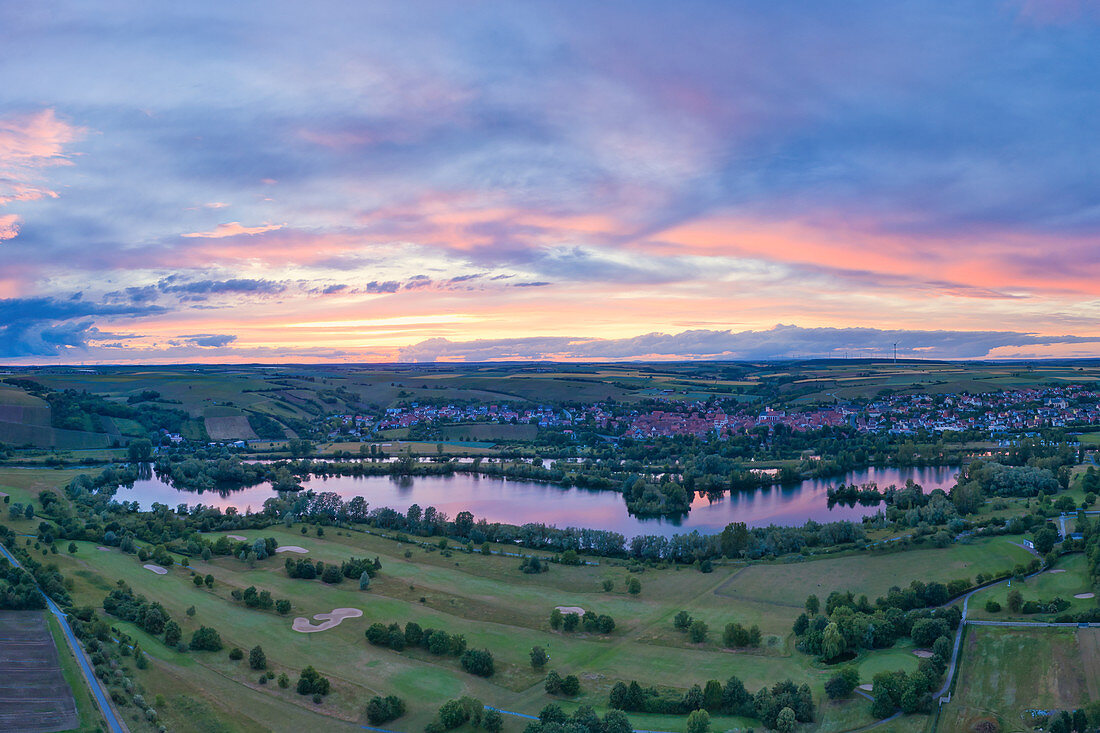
103 549
923 653
1059 570
156 569
237 537
867 687
571 609
328 620
291 548
1085 595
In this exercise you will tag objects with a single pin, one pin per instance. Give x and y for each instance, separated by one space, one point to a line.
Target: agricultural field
34 693
1007 672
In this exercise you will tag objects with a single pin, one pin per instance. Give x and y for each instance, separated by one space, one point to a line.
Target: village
996 413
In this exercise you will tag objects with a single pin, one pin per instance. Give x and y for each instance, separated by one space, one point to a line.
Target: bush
312 683
478 661
332 575
384 709
697 632
236 654
991 606
539 658
570 685
257 659
206 639
842 684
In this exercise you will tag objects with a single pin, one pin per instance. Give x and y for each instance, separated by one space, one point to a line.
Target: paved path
113 723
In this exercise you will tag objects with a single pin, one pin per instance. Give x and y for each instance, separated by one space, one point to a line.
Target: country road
114 724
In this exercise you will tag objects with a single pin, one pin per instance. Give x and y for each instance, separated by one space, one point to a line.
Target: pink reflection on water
520 502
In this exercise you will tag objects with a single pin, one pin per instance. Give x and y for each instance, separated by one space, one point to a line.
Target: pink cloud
29 143
233 229
9 227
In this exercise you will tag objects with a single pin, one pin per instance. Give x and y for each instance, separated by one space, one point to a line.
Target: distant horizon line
532 362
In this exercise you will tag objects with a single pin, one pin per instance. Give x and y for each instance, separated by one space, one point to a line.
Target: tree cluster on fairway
850 624
384 709
552 719
353 568
733 636
478 662
714 697
455 713
206 638
567 686
151 616
591 622
311 682
435 641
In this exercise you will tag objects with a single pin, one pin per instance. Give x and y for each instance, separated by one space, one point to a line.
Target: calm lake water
519 502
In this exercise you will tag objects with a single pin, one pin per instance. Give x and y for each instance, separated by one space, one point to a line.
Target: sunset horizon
558 181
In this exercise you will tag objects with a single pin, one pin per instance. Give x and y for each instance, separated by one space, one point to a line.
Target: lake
518 502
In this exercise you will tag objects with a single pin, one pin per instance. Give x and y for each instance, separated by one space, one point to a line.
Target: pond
518 502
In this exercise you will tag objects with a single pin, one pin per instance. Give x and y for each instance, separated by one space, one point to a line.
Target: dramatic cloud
780 342
49 326
554 168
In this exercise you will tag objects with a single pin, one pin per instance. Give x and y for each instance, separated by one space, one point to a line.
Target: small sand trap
1085 595
1059 570
156 569
237 537
867 687
922 653
103 549
571 609
292 548
328 620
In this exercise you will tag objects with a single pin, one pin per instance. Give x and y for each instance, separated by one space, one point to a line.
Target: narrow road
113 723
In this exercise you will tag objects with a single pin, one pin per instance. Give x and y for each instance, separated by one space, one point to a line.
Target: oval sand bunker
291 548
1085 595
156 569
328 620
571 609
237 537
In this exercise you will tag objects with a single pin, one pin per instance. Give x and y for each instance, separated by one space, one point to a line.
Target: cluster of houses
999 412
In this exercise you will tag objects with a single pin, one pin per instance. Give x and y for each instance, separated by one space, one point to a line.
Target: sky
422 181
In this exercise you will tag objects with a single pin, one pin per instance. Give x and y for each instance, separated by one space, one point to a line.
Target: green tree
786 721
812 605
698 721
539 658
832 642
493 721
256 658
1015 601
633 586
697 632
